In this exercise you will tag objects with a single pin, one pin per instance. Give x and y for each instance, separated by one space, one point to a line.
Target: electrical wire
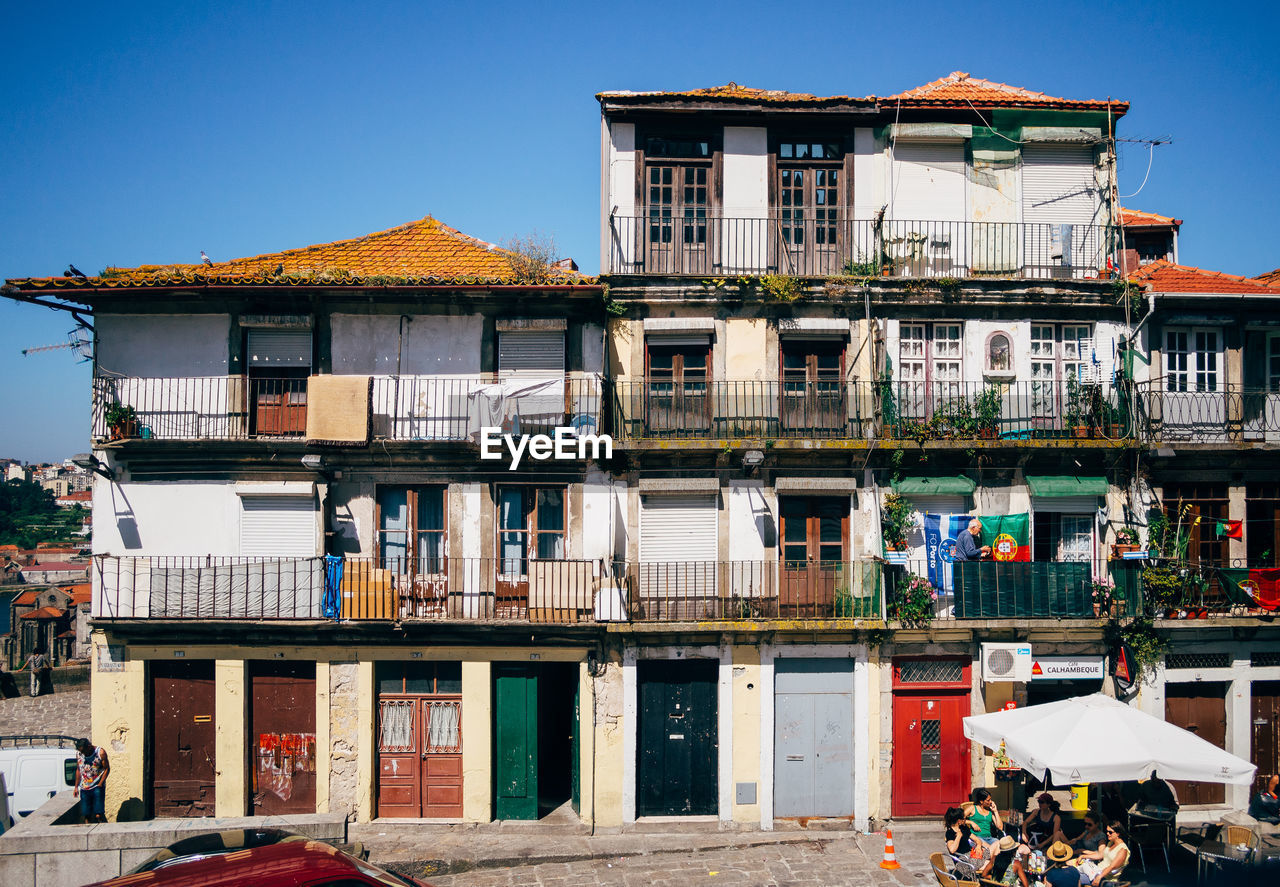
1151 153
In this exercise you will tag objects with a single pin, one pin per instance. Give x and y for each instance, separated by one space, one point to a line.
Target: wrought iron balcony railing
206 587
818 242
425 408
685 409
1177 410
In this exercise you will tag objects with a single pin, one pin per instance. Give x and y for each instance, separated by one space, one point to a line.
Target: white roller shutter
1058 185
531 352
279 348
928 181
1066 504
277 526
678 547
938 504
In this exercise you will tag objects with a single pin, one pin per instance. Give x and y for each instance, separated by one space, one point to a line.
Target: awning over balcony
1060 486
933 486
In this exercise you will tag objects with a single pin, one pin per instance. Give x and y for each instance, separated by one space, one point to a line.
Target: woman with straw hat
1060 874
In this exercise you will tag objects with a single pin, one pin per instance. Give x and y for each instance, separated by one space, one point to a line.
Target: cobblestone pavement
816 862
65 712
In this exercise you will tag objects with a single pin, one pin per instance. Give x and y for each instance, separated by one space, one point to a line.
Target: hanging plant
913 600
897 516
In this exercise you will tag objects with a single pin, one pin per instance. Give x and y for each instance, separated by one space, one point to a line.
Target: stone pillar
477 732
1236 548
745 689
119 703
344 737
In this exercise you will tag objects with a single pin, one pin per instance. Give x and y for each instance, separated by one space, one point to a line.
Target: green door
575 772
515 735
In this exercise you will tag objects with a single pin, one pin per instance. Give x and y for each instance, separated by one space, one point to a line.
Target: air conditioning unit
1006 662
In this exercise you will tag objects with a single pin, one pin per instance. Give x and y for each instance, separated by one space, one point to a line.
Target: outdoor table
1211 853
1163 815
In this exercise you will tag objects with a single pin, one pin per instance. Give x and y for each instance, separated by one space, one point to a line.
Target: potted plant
1104 593
897 517
1126 541
913 600
986 413
1077 425
122 420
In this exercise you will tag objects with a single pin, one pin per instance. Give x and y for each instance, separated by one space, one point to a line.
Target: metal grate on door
1264 659
930 671
444 720
1197 660
930 751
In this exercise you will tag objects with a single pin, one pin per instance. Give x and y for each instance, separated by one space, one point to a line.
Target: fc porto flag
1009 536
940 532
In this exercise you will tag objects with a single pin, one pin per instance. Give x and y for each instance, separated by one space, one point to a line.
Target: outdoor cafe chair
1145 836
942 871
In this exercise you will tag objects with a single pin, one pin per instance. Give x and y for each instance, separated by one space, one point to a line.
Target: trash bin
1080 797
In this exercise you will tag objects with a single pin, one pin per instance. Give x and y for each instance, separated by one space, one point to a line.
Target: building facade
360 545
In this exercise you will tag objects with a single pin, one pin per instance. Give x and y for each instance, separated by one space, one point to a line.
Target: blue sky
146 132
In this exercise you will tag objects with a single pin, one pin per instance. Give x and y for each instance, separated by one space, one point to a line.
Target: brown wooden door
279 405
183 732
282 737
1264 727
809 211
677 395
677 229
813 387
420 756
815 532
1201 708
930 753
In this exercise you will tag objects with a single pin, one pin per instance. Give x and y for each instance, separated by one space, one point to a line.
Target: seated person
984 818
1006 865
1059 874
1093 836
1265 806
961 844
1045 826
1108 861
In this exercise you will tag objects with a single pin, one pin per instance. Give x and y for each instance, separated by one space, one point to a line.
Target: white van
35 768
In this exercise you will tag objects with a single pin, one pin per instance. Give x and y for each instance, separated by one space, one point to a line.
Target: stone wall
344 737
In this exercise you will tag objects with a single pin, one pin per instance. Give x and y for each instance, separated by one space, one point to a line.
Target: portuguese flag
1252 588
1009 536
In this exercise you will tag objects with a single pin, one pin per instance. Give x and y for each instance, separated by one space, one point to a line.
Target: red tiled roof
81 595
1134 218
27 598
65 634
6 549
55 568
956 90
44 613
78 496
1271 278
1165 277
959 90
424 252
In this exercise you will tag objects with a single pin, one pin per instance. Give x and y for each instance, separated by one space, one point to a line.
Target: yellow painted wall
477 739
322 736
609 763
119 716
746 346
745 690
231 717
365 763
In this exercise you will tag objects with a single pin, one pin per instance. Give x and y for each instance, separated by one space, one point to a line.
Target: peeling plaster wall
119 706
344 737
162 345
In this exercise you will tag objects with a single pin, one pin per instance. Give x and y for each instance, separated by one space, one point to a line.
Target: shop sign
1067 668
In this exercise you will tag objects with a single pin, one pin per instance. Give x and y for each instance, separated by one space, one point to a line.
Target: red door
182 738
282 730
930 753
420 756
1265 711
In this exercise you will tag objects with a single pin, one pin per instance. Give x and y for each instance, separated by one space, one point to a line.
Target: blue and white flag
940 532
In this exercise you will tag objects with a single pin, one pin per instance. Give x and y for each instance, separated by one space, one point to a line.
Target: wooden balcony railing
800 243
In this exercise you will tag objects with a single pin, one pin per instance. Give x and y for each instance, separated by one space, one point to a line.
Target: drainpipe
395 407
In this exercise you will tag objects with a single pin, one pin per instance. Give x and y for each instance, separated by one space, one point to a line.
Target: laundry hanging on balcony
502 404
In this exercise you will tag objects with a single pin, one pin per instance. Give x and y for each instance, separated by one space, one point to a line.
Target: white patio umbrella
1097 739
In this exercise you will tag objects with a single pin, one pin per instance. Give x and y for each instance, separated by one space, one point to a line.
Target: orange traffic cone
890 861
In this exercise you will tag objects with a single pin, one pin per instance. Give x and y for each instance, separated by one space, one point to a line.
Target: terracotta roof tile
958 90
1165 277
1136 218
44 613
732 92
424 252
27 598
1271 278
81 596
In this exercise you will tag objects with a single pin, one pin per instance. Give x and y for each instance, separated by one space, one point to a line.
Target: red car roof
286 864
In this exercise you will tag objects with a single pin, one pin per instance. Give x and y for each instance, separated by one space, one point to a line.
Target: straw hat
1059 852
1006 844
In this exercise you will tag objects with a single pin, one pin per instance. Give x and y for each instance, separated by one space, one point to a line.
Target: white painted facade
162 345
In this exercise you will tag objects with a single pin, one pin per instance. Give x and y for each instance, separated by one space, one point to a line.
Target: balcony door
677 204
678 373
1194 404
412 546
813 391
279 362
1058 355
810 185
531 528
815 534
930 365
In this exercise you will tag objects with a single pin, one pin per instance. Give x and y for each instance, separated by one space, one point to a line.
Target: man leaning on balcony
967 548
